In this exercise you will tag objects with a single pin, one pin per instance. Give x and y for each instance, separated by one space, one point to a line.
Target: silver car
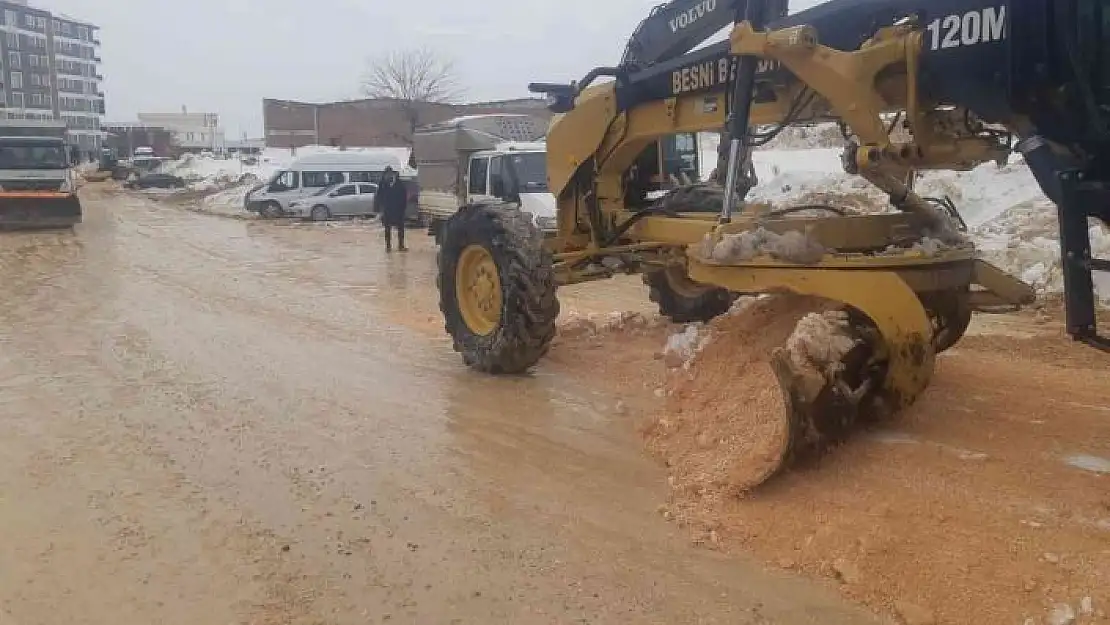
348 199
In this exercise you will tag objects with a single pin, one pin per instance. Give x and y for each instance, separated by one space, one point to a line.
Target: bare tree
411 78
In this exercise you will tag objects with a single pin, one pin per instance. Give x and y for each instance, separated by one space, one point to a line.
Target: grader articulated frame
908 279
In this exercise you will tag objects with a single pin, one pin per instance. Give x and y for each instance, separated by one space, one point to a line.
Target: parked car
155 180
349 199
309 174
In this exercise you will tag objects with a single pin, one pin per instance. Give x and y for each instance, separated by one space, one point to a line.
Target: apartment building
49 69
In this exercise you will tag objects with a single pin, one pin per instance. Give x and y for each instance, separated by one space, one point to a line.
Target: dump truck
481 158
37 180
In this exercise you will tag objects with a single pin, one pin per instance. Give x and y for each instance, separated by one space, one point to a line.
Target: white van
309 174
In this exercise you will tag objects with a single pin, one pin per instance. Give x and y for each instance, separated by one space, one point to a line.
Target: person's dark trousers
389 237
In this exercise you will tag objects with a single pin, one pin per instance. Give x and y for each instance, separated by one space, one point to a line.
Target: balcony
99 77
96 59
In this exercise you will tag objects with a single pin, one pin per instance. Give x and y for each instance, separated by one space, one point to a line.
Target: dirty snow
1007 214
791 246
683 346
594 324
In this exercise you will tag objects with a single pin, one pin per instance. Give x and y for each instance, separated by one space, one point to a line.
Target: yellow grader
941 73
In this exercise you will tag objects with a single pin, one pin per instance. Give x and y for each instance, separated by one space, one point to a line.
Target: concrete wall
367 123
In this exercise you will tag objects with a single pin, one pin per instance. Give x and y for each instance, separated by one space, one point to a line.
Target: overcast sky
224 56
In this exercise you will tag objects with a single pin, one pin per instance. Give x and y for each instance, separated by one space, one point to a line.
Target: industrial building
369 123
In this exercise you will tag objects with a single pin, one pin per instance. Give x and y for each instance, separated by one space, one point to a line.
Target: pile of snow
791 246
576 324
683 346
229 201
203 172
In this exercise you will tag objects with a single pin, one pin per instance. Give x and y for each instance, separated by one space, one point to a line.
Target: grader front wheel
496 289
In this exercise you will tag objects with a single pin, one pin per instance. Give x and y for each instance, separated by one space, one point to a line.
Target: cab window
479 167
286 181
347 189
368 189
496 177
322 178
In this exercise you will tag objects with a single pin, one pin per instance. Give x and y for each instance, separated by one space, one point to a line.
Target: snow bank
208 172
227 181
229 201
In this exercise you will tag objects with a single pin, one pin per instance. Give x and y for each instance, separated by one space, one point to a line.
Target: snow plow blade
39 210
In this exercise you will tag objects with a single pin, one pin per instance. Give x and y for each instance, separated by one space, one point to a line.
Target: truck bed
437 205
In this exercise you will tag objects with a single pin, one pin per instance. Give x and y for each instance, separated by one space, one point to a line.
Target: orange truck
37 179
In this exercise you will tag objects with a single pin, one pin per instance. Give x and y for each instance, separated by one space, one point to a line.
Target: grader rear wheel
496 289
682 300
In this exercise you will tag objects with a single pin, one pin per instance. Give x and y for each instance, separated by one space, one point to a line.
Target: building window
13 40
17 80
33 60
47 100
36 81
40 22
10 18
14 60
83 33
36 99
29 20
17 100
57 26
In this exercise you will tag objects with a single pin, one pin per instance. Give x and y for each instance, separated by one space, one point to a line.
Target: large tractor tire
496 289
682 300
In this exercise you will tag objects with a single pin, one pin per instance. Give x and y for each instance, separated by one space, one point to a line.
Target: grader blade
865 351
826 372
34 210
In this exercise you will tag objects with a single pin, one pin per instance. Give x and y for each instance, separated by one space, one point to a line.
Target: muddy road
211 421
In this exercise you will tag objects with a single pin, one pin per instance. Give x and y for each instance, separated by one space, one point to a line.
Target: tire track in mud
100 478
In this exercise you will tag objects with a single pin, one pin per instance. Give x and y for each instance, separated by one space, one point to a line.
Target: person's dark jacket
390 202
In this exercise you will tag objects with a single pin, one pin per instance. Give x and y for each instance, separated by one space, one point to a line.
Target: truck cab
513 172
38 186
483 158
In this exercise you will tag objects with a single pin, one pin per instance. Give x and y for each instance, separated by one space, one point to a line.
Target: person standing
390 202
